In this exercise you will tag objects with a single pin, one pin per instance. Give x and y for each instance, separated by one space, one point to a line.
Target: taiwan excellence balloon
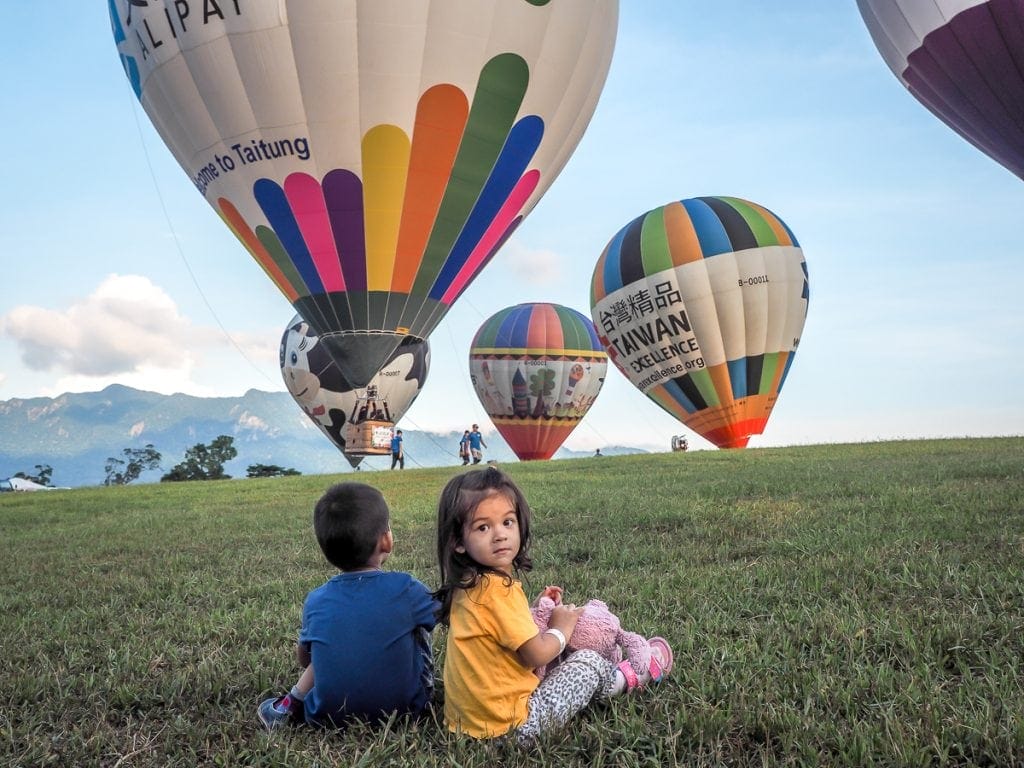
372 155
351 418
701 303
537 368
962 59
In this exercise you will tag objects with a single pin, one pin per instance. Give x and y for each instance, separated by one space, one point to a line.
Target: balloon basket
369 438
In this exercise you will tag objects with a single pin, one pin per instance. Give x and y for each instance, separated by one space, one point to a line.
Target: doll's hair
459 499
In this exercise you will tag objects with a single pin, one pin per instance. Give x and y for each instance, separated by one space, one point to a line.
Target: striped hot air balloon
372 155
962 59
701 303
537 368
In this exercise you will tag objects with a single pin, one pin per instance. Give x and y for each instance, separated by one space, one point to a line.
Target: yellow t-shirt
486 688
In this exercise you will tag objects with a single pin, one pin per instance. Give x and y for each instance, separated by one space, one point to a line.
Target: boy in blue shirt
476 441
365 637
397 453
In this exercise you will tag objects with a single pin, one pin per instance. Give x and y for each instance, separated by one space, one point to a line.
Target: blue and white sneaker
274 713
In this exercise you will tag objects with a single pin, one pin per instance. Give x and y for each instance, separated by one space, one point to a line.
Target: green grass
828 605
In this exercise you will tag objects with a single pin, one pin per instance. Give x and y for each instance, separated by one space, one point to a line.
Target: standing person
493 646
365 637
397 452
476 441
464 448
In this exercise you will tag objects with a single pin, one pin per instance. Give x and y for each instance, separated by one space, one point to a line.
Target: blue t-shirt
475 439
396 444
368 634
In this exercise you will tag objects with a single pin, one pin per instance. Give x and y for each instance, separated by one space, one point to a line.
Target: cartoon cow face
306 367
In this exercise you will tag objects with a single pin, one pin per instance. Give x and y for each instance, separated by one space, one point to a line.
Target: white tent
21 484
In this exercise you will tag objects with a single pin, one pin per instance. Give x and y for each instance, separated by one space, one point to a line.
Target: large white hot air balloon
372 155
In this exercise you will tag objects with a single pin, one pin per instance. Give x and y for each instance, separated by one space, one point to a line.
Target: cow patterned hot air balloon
701 304
962 59
372 155
537 369
340 412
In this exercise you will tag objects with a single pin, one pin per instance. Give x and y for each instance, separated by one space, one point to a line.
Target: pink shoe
661 664
661 658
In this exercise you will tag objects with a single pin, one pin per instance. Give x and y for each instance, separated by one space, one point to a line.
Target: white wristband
559 636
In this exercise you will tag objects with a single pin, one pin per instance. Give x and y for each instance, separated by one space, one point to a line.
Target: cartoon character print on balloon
537 369
318 387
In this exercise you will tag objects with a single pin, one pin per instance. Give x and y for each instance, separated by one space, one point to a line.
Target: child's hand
555 593
564 617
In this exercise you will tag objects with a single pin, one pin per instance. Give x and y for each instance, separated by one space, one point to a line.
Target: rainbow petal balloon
372 155
537 369
701 303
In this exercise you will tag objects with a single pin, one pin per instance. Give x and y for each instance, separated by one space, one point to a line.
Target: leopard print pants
565 691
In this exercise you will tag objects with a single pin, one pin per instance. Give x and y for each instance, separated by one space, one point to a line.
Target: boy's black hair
458 500
348 520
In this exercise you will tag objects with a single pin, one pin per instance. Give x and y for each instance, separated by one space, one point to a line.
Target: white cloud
252 422
125 326
535 266
129 331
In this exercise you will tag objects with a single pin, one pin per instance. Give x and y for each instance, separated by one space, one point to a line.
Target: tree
268 470
42 476
135 462
541 383
204 462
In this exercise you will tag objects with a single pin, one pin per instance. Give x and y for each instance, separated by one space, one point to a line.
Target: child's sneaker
660 665
282 710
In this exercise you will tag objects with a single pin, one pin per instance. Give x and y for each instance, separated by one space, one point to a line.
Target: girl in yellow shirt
493 646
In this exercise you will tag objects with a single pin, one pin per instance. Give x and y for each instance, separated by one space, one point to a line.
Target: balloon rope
430 437
181 252
594 429
470 394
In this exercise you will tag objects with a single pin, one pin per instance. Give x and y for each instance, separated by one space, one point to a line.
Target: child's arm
544 646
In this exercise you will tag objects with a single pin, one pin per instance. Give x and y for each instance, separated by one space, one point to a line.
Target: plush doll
599 630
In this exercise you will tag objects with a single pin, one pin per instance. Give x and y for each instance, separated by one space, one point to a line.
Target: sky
117 271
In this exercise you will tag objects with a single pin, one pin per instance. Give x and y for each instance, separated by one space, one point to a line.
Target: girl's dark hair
458 500
348 521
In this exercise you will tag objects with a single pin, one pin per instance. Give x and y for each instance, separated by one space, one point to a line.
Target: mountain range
75 434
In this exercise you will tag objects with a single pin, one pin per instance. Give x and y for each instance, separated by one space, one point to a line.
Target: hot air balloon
357 421
537 368
372 155
700 303
962 59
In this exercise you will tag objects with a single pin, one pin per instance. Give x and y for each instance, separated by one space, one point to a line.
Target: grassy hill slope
840 605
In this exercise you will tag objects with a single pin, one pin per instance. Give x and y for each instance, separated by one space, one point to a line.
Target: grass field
827 605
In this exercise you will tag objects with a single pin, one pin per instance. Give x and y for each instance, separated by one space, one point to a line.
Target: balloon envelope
315 382
701 303
962 59
372 155
537 368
